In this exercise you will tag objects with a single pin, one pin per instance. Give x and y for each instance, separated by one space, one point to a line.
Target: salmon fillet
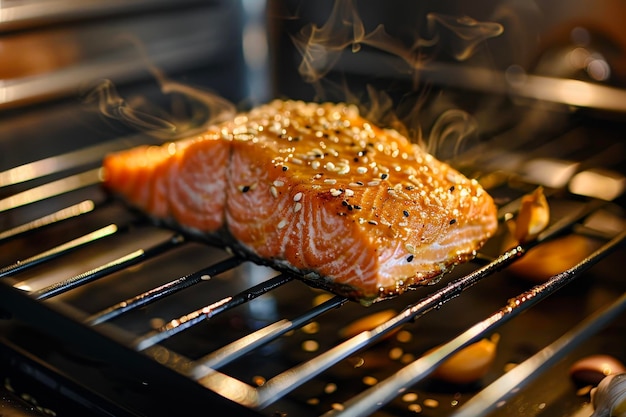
317 189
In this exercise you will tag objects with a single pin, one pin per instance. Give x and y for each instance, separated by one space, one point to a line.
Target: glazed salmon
317 189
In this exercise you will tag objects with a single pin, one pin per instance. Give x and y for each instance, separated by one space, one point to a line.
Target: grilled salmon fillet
317 189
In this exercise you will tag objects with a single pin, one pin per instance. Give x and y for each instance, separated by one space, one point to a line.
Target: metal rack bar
58 250
164 290
508 384
188 320
288 380
69 212
238 348
116 265
372 399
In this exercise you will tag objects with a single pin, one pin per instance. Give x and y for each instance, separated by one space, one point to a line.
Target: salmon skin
316 189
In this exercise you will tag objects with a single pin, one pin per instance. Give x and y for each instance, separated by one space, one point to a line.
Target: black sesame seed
245 188
350 208
357 207
359 182
344 203
384 176
409 258
452 221
409 188
406 213
285 168
452 188
372 222
356 159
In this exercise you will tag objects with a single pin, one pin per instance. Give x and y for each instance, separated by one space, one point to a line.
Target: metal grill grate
33 298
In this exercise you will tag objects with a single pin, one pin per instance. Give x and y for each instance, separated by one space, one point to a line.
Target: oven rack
94 329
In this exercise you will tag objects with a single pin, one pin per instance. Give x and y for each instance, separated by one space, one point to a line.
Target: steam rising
111 105
191 108
321 47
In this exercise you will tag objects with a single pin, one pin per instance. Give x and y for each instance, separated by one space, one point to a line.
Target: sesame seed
361 170
410 248
297 207
285 168
244 188
356 207
329 166
297 197
278 183
452 221
282 224
273 191
384 176
344 203
406 213
373 183
374 222
297 161
330 181
452 188
315 164
349 192
409 258
335 192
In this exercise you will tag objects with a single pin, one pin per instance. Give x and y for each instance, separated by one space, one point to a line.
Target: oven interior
104 312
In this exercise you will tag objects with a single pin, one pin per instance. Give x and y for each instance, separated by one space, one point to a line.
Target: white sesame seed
273 191
349 192
282 224
410 248
297 207
315 164
297 161
297 197
278 183
329 166
330 181
335 192
373 183
361 170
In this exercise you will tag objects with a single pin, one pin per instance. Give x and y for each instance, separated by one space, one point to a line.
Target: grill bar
59 250
237 349
372 399
289 380
182 323
58 216
523 374
66 161
162 291
116 265
51 189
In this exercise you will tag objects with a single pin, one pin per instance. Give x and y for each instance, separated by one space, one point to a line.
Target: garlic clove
368 322
552 257
609 398
470 363
533 216
594 368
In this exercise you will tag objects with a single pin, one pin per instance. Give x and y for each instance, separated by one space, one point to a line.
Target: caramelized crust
318 189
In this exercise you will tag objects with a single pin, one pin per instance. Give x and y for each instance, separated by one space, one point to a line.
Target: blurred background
54 52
